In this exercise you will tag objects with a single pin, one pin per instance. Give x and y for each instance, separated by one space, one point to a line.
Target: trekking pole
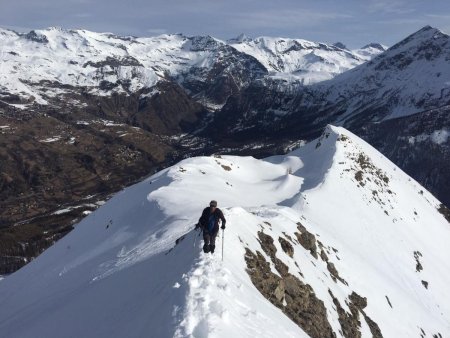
195 236
223 240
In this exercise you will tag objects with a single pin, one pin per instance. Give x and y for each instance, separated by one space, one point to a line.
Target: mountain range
84 114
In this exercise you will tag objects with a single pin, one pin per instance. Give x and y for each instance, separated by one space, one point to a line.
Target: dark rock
323 255
263 278
302 305
33 36
334 273
307 240
417 256
358 301
286 246
340 45
445 212
269 248
350 322
374 328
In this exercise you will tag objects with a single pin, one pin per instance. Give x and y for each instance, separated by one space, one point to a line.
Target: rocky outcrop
307 240
296 299
286 246
445 212
350 322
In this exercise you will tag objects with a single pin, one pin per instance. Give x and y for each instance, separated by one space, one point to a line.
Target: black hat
213 203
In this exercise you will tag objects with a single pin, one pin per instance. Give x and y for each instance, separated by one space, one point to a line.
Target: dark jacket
218 215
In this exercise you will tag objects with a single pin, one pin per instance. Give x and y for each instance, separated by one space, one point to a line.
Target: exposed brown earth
47 164
75 153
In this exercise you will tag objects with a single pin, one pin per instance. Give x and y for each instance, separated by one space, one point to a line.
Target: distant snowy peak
375 45
409 77
427 33
428 44
104 63
301 60
239 39
370 50
340 45
204 43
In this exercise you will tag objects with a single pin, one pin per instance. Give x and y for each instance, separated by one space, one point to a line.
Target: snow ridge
344 220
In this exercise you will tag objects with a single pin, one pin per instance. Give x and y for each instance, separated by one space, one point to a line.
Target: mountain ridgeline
84 114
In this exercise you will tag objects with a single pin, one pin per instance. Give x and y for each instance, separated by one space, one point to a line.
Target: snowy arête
376 247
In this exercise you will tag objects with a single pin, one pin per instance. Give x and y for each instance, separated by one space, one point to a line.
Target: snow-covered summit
370 50
407 78
302 60
239 39
332 237
340 45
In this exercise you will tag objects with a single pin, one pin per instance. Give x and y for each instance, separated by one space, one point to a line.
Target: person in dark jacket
209 223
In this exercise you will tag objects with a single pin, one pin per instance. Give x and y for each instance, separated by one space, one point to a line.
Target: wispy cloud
284 18
404 21
400 7
438 16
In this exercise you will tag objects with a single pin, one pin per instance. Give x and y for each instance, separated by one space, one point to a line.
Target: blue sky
355 23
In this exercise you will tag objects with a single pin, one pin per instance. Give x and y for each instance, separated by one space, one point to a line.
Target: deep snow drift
134 267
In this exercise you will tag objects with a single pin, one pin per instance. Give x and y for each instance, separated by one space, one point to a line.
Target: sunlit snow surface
410 77
120 274
302 60
29 67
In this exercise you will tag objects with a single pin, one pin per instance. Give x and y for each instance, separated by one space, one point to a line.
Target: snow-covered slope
302 60
334 214
82 58
410 77
369 51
